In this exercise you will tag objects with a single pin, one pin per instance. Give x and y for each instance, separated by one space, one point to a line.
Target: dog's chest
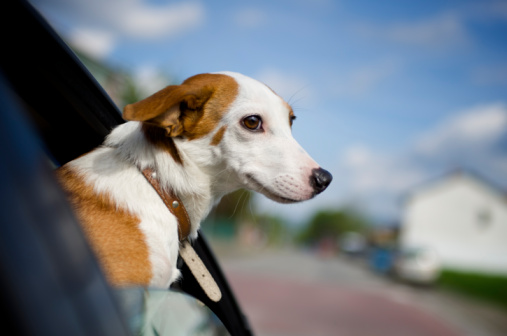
159 228
129 192
163 246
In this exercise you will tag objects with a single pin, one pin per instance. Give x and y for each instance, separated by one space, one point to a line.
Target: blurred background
405 103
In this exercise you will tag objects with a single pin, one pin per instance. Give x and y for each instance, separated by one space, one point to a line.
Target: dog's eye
252 122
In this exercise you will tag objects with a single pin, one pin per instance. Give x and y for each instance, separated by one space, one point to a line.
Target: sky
388 94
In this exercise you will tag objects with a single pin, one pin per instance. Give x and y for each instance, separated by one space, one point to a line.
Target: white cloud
96 43
472 128
358 156
250 18
486 11
446 29
436 31
490 74
143 21
108 21
378 172
288 86
364 79
439 31
150 80
473 139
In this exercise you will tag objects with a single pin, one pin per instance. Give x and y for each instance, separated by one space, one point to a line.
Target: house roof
456 173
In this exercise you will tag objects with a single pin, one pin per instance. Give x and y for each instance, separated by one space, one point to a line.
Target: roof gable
453 179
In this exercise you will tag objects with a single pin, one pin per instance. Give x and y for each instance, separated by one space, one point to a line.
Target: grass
491 288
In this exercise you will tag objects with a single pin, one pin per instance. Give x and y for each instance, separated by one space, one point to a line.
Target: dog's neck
196 180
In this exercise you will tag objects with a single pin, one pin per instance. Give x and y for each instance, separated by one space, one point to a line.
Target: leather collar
172 202
187 252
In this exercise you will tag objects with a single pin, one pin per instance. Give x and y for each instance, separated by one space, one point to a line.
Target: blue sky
388 94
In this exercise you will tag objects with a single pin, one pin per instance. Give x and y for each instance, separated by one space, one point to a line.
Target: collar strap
172 202
187 252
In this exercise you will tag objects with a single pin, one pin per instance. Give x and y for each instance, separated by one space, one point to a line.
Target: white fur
270 162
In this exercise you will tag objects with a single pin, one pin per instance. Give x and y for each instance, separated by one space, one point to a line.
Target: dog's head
240 127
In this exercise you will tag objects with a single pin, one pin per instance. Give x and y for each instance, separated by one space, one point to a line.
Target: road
295 293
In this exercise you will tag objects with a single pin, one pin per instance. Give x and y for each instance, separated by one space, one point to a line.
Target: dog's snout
320 179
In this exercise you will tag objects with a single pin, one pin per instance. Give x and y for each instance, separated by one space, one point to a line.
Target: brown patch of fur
192 109
157 136
291 115
113 233
201 122
218 136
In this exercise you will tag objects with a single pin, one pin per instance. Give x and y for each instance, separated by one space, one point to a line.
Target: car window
168 312
70 115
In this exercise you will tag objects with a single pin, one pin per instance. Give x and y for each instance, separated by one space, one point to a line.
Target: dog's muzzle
320 179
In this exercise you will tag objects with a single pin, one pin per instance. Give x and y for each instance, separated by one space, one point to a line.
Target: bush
491 288
330 224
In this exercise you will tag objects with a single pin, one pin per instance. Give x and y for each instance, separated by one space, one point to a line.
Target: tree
130 91
330 224
235 206
235 211
224 220
273 227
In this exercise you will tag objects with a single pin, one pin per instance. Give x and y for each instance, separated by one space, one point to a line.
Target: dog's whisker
220 172
291 101
237 203
254 219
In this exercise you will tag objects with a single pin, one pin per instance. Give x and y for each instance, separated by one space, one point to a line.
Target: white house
463 219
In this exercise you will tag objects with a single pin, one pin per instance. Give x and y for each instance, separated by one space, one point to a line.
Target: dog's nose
320 179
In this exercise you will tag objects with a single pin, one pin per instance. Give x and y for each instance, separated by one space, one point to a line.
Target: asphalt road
294 293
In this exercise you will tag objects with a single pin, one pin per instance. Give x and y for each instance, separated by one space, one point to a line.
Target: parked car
353 244
417 265
52 111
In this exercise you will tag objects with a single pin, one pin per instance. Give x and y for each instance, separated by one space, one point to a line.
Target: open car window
45 83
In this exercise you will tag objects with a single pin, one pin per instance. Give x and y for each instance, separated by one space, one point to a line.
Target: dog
211 135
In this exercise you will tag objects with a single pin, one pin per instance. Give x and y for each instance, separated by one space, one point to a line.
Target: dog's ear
173 108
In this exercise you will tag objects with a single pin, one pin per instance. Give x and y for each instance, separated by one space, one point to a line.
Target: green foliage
273 227
237 209
223 221
130 91
492 288
234 206
330 224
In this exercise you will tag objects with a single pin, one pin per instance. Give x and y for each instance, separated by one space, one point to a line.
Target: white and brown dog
211 135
